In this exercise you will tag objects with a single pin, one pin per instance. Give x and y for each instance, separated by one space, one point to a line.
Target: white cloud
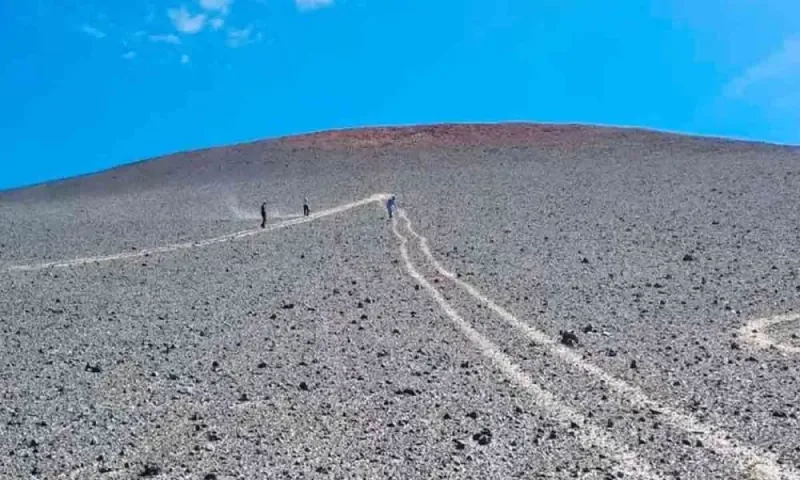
129 55
185 58
217 23
93 32
306 5
780 67
241 37
185 22
222 6
168 38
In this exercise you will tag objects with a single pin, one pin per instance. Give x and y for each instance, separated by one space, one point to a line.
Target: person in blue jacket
391 205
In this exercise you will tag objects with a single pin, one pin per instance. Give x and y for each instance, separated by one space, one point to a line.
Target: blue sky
86 85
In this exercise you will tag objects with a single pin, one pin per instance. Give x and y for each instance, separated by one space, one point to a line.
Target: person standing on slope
306 210
263 214
391 205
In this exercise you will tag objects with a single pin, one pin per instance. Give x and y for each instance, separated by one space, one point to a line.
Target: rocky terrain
583 320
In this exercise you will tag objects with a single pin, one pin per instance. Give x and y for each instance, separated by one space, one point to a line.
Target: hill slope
187 339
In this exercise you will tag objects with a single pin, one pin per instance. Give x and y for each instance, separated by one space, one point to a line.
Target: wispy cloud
185 59
217 23
129 55
93 32
222 6
185 22
168 38
778 68
241 37
306 5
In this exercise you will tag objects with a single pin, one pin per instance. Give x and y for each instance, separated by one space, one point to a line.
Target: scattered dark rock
459 444
150 471
588 328
735 346
688 258
585 261
568 338
406 391
779 414
634 365
304 386
611 353
93 368
243 398
287 306
214 365
322 470
446 416
273 316
262 365
484 437
472 415
210 476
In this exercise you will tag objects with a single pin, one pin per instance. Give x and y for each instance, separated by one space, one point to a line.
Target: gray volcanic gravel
310 351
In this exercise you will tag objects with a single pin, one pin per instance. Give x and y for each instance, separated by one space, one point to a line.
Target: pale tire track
754 333
747 459
589 435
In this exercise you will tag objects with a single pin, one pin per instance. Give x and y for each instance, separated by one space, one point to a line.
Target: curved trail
747 459
590 436
378 197
755 333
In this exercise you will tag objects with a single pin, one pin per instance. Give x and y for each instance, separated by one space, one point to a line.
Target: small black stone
484 437
406 391
688 258
150 471
568 338
93 368
304 386
459 444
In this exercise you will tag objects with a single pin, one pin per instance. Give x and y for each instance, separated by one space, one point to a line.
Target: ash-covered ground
338 348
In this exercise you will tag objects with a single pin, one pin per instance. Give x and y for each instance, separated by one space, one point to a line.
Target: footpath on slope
746 459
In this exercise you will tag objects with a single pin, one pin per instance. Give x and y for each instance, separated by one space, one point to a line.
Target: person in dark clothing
391 205
263 214
306 210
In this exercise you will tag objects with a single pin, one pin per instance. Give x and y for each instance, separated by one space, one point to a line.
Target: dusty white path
755 333
589 436
748 460
379 197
